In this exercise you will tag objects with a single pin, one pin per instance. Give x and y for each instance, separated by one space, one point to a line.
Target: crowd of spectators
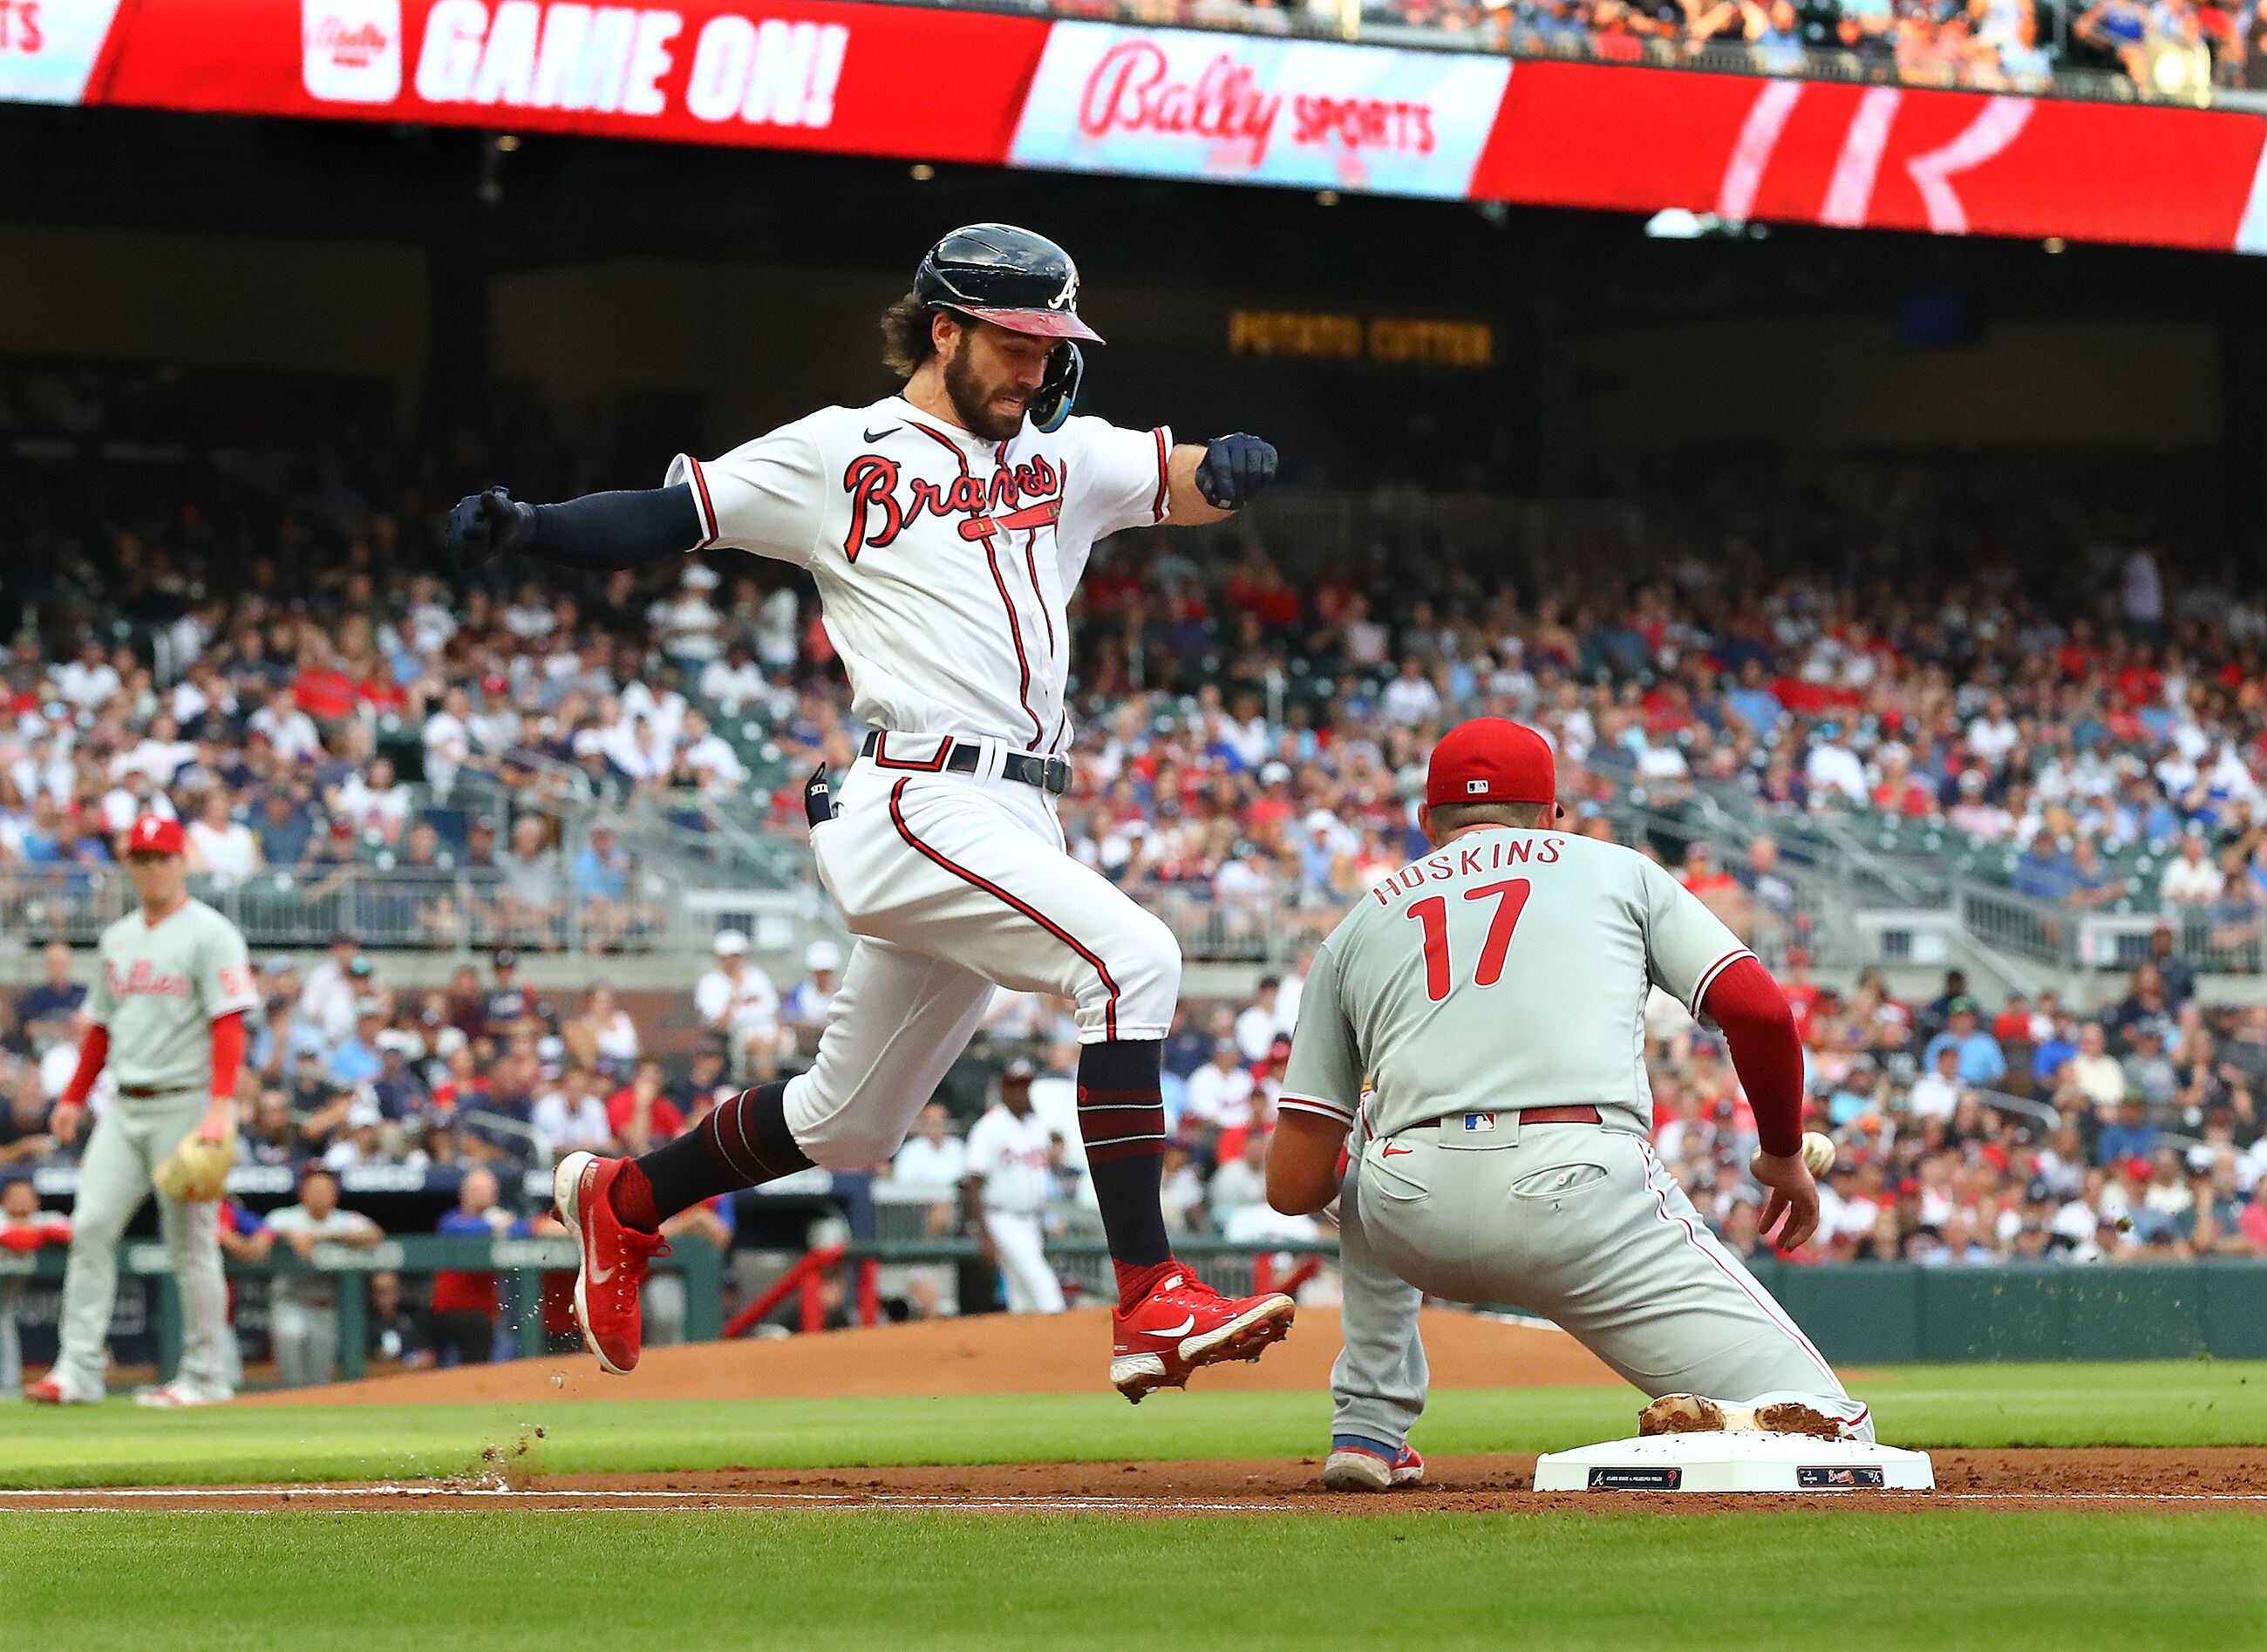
274 664
2173 49
2020 1132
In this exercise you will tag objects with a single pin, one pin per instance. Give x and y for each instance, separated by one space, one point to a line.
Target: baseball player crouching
168 1014
1494 993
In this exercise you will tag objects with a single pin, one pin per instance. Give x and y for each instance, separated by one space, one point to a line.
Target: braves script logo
1023 495
144 979
1132 89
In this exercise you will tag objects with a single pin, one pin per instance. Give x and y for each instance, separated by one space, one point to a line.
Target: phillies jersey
1509 970
944 561
161 990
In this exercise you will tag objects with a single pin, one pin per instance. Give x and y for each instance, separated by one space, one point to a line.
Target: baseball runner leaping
168 1013
1494 994
945 527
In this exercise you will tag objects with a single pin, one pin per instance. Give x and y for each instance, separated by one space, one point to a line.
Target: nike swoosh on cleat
1180 1330
599 1275
875 436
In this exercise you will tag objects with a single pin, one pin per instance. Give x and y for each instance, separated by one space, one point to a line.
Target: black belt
143 1092
965 757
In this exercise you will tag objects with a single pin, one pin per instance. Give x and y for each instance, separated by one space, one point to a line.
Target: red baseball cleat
613 1260
1184 1323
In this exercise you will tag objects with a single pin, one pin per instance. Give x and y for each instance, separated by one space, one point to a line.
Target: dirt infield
990 1353
2101 1479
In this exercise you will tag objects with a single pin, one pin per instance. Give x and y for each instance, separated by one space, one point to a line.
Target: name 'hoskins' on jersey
1508 970
944 561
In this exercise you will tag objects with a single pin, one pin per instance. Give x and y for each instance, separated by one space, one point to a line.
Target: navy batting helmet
1008 276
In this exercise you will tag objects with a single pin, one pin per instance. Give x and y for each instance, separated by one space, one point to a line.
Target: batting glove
489 524
1234 470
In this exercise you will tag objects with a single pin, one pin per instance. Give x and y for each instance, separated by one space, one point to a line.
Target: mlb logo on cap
151 835
1492 757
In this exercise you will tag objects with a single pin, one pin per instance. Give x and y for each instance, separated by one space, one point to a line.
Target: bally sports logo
1179 104
1134 89
350 50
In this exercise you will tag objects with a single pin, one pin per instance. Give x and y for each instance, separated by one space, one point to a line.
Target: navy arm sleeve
618 530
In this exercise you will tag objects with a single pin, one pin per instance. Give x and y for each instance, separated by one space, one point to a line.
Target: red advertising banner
1586 135
926 84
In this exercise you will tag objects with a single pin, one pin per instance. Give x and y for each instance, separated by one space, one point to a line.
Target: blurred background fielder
168 1026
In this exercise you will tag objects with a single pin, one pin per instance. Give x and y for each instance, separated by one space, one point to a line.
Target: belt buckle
1055 775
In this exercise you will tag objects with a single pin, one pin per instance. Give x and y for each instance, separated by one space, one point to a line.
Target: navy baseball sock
744 1142
1121 1119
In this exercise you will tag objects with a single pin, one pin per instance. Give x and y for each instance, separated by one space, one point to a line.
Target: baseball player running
945 527
169 1024
1494 994
1006 1187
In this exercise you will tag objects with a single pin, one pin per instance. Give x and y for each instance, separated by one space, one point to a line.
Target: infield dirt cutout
1002 1354
985 1354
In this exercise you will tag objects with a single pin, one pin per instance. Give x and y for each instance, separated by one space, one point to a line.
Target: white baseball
1817 1152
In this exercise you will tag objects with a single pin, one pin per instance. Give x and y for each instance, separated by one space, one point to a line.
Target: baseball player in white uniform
1493 993
1007 1182
945 527
168 1015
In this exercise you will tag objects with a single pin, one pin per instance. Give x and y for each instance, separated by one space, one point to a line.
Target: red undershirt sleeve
92 1053
228 1038
1759 1027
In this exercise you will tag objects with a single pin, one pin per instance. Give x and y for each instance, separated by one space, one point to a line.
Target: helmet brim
1039 324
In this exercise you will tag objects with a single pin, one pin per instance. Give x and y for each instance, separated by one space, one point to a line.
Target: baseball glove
196 1172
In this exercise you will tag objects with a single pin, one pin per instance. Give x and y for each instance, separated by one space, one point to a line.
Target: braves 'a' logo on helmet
1067 298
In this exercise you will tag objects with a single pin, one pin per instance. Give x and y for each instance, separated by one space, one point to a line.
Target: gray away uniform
159 994
1510 971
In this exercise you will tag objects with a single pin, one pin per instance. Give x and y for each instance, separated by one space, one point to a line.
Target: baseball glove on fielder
196 1172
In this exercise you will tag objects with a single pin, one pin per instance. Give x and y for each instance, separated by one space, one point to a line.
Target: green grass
499 1580
2182 1403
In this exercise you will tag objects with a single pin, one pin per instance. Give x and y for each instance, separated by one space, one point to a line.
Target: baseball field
959 1486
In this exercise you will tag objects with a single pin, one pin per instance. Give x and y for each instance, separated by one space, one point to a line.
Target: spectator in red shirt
321 689
640 1115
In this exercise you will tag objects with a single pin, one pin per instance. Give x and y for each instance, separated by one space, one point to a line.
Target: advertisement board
1244 108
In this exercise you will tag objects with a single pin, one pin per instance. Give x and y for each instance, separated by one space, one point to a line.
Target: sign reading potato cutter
1734 1462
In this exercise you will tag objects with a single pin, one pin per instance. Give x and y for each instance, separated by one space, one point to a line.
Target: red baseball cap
1491 760
152 835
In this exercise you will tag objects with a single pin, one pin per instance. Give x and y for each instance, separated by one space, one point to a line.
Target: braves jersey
1010 1153
1509 970
160 990
944 561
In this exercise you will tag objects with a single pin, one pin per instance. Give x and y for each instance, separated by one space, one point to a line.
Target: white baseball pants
130 1141
955 884
1020 1247
1583 1227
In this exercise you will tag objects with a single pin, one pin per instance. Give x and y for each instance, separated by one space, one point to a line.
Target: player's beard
974 402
